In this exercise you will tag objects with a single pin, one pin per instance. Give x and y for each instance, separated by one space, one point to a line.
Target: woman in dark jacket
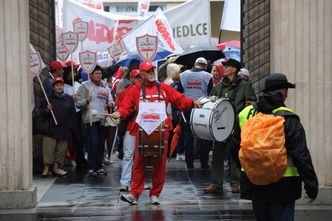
56 141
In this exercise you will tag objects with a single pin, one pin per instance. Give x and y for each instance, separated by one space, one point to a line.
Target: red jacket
167 94
119 100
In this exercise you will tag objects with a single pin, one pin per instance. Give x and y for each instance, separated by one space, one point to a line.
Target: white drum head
222 120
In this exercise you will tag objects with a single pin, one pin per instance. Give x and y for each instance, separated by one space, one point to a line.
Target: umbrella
175 139
124 62
232 52
231 49
234 43
189 56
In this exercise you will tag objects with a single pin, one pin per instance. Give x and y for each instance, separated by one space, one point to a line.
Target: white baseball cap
201 60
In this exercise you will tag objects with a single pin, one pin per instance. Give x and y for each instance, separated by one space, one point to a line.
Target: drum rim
211 115
234 117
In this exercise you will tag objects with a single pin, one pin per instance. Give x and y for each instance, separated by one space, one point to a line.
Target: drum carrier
151 145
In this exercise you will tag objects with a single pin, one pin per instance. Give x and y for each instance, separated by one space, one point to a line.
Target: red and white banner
187 26
58 33
143 7
101 25
70 41
96 4
61 52
116 50
35 63
88 61
156 24
147 47
81 28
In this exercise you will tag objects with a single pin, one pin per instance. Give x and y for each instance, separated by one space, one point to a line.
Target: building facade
294 38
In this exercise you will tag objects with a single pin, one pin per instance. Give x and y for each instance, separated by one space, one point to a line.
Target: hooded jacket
238 91
287 188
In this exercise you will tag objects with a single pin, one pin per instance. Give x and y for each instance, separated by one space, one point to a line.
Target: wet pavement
79 197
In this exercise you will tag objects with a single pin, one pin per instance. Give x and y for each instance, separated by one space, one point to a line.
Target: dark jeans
110 136
204 145
78 141
180 146
217 164
273 211
96 145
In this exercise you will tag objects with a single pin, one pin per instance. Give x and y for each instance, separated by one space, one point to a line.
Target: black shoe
101 172
205 166
92 173
190 166
120 156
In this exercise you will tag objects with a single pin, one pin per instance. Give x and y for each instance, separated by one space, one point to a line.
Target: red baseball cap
134 73
146 66
68 63
56 80
56 65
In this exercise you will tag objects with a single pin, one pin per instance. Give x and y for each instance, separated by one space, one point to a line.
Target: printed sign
88 61
35 63
147 46
151 115
70 41
61 52
116 50
81 28
143 7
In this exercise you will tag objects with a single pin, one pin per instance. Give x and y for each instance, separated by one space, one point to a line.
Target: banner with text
191 26
103 27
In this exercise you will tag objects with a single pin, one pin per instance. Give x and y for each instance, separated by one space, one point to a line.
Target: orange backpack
263 153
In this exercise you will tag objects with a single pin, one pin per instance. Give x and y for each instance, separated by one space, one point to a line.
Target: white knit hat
244 72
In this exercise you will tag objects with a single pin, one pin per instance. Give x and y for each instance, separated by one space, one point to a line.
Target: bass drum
214 121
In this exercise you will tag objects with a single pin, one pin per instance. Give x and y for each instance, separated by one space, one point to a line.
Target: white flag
231 16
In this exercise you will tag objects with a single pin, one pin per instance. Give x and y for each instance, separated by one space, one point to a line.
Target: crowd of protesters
89 138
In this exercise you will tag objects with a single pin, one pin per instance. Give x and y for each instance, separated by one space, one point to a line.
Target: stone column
301 48
16 190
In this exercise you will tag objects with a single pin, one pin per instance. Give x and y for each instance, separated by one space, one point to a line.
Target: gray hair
172 68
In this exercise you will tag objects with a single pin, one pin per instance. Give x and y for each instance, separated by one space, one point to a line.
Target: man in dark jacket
240 93
276 201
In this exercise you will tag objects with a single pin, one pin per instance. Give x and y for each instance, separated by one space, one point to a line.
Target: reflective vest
249 112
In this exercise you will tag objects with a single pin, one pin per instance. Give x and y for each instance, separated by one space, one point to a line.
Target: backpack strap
144 92
284 112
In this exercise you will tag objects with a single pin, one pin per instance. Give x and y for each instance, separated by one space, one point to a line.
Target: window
126 8
153 8
106 8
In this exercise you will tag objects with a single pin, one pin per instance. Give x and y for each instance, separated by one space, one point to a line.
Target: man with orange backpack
274 155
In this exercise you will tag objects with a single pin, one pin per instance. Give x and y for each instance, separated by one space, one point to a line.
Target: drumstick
184 118
95 112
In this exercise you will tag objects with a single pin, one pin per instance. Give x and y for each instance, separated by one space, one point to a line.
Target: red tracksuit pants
139 171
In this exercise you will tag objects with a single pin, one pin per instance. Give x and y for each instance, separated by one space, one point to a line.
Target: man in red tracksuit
153 91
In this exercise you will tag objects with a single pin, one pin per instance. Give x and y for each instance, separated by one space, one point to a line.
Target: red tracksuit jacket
129 105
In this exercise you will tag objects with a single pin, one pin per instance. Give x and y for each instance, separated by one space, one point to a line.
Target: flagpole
72 72
220 31
48 102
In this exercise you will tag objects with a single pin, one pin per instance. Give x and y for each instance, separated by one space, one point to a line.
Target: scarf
220 68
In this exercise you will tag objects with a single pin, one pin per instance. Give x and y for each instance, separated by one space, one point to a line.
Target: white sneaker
129 198
182 157
62 172
106 162
178 157
154 200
